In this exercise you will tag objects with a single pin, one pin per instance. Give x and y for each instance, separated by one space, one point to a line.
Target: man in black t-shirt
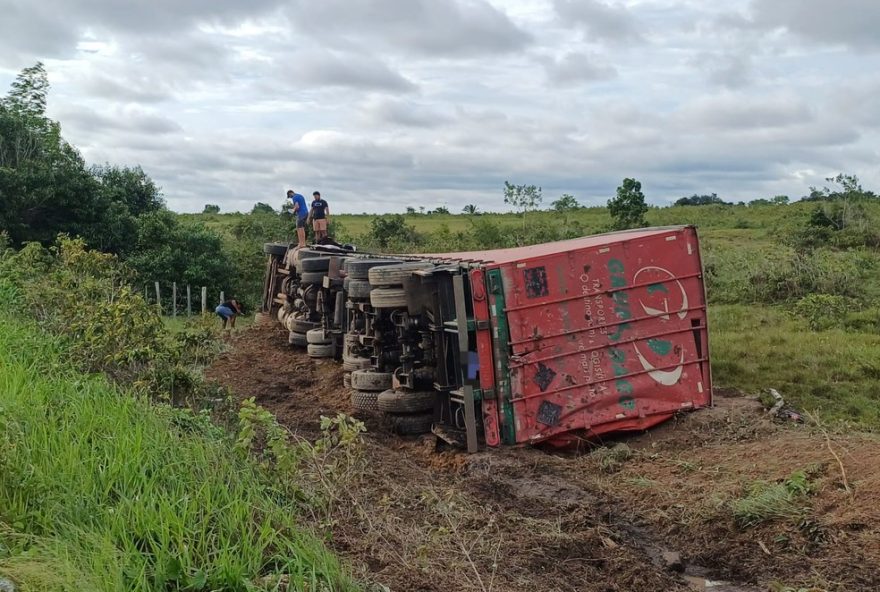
319 214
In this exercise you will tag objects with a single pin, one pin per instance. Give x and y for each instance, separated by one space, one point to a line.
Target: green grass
834 372
100 490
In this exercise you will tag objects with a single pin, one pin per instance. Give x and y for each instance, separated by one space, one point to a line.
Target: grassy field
100 490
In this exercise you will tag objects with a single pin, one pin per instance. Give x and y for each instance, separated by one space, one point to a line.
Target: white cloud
383 104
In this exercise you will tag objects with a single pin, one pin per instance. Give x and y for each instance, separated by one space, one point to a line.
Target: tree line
47 189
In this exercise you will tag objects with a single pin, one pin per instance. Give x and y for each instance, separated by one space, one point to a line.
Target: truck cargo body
562 341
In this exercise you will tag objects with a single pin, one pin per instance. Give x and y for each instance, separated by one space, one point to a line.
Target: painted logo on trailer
665 296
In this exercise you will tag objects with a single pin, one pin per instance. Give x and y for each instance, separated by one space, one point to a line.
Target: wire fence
182 300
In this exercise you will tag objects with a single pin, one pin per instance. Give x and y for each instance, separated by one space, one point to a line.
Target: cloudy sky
383 104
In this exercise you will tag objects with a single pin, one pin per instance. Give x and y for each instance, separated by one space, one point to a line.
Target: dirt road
653 515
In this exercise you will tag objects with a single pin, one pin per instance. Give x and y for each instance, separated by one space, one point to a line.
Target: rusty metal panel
608 335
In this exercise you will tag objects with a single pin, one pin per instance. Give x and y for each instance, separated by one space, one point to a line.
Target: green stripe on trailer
502 359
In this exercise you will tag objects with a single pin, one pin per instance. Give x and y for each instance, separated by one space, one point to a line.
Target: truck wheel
282 315
359 269
370 380
314 264
302 326
297 339
275 249
388 298
346 379
404 401
317 336
312 277
358 289
320 350
394 275
407 425
364 401
350 364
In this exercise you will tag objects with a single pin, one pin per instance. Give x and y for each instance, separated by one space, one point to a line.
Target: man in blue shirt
301 211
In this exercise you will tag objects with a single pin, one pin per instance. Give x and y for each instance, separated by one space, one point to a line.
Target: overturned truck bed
548 343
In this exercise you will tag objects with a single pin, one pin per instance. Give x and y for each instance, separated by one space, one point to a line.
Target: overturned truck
547 343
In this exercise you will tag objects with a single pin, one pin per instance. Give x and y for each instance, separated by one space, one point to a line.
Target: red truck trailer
546 343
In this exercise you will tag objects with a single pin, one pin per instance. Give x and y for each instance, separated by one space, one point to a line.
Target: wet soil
427 518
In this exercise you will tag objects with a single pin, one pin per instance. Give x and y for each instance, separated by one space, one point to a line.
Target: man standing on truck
320 216
301 211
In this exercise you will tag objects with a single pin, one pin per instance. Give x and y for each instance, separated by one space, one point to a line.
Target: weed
611 459
771 501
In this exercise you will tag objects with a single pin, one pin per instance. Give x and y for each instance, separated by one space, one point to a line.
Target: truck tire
359 269
358 289
297 339
282 315
370 380
301 325
411 424
404 401
321 350
314 264
346 379
350 364
317 336
277 249
394 275
364 401
312 277
388 298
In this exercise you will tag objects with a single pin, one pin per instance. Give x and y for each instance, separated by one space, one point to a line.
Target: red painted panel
609 335
484 352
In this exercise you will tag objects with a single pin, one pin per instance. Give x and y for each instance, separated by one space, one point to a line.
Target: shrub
771 501
823 311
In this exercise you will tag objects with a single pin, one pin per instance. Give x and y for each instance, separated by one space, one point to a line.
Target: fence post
222 297
158 297
204 299
189 307
174 299
146 294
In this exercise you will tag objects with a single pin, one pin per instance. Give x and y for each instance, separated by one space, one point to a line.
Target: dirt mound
522 519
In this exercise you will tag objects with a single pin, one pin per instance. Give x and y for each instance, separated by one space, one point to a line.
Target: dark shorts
301 222
224 312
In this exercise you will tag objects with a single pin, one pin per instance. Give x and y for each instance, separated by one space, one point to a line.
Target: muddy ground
654 515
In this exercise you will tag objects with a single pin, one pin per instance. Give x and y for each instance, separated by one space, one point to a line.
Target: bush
823 311
771 501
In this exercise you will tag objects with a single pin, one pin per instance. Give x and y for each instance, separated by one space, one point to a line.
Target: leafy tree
129 186
410 210
386 231
523 197
262 208
211 209
168 251
469 209
701 200
440 210
566 203
779 200
628 208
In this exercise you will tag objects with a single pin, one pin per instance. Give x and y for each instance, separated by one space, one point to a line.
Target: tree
779 200
522 197
440 210
211 209
130 186
628 208
701 200
29 92
262 208
565 203
410 210
391 230
469 209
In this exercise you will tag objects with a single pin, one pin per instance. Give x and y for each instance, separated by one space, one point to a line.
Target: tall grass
835 372
100 490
